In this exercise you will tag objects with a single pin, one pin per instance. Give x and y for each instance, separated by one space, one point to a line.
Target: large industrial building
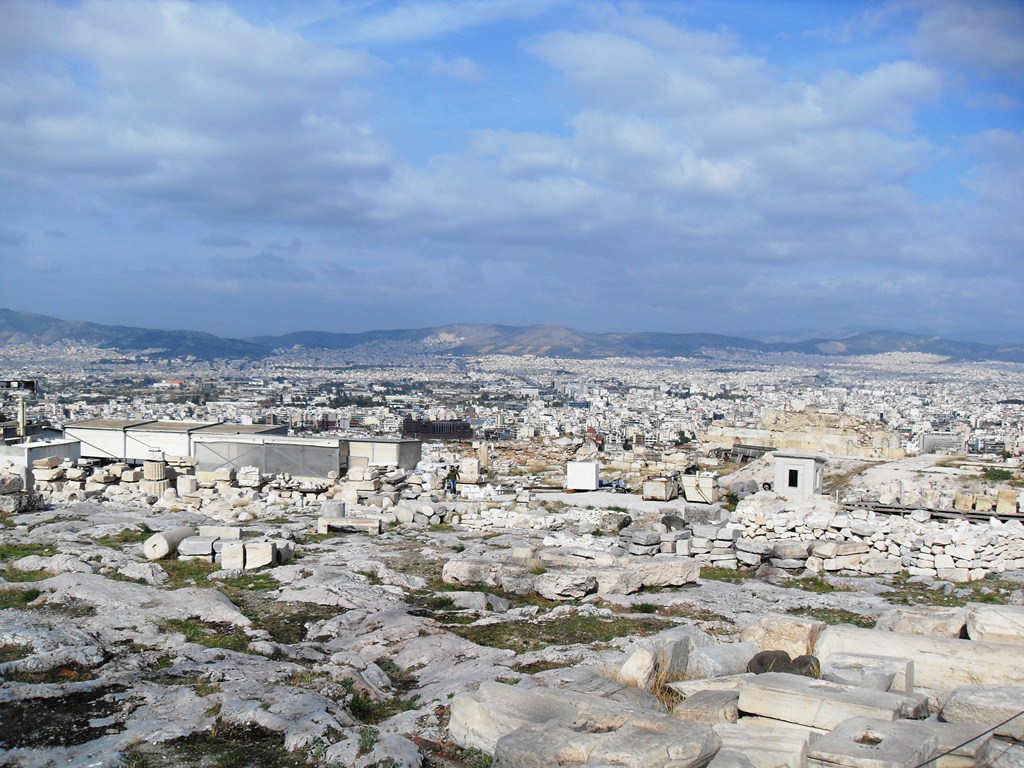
217 445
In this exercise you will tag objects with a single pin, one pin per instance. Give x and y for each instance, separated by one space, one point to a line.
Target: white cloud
988 36
426 19
459 68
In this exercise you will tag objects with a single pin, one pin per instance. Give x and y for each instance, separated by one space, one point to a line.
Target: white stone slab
232 555
939 662
765 747
259 554
868 671
818 703
867 743
996 623
988 705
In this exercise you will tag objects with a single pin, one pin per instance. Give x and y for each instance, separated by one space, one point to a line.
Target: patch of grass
428 568
316 538
440 528
307 678
620 509
62 673
367 738
992 589
402 679
812 584
840 480
14 652
474 758
687 611
372 577
834 616
539 666
228 746
438 603
211 635
14 575
253 581
369 710
538 570
644 608
507 680
127 536
187 573
162 662
731 576
17 551
998 475
523 636
287 622
201 685
17 598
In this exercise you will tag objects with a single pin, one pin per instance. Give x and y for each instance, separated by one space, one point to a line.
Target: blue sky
754 168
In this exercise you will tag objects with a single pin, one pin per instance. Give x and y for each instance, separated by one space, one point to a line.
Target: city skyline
742 168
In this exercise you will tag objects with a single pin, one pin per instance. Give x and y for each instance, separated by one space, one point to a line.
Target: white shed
799 475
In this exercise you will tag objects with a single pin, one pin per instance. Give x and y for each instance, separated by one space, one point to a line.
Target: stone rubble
680 697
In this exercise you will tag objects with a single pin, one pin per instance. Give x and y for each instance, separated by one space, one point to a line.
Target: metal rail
940 514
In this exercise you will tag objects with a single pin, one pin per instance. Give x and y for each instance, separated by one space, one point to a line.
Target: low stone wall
820 536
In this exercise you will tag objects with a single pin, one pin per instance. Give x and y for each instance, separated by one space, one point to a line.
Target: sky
758 168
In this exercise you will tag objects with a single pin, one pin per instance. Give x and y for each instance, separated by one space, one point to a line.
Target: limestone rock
565 586
630 740
765 747
870 743
941 663
709 707
818 703
937 621
988 705
793 634
996 623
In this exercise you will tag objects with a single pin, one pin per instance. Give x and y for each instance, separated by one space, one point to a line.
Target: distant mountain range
481 339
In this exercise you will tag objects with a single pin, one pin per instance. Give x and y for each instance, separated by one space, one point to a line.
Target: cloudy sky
751 167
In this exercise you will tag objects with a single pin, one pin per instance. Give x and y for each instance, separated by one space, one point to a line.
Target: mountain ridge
542 340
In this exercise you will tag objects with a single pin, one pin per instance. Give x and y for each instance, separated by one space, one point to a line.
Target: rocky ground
349 655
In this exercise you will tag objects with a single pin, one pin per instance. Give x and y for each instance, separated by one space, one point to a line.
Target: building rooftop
174 426
107 424
239 429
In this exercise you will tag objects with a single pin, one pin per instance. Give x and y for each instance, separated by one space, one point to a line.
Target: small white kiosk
798 475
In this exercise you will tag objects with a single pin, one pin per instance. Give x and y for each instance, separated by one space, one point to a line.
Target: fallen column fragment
164 543
819 703
941 663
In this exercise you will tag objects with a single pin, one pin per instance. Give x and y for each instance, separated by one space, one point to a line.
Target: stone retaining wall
820 536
